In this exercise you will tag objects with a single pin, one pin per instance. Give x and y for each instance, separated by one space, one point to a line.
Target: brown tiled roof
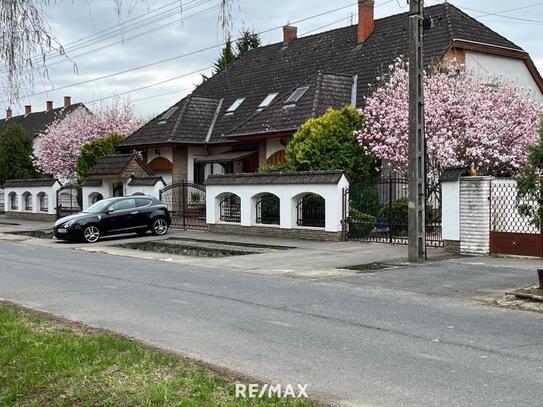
37 122
144 181
38 182
303 177
114 164
326 62
92 183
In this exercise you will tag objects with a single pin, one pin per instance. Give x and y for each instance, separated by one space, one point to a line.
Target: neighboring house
35 123
242 118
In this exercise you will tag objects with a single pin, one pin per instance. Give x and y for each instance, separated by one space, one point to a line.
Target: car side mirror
108 211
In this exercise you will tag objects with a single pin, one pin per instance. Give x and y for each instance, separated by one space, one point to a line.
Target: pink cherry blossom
469 119
60 145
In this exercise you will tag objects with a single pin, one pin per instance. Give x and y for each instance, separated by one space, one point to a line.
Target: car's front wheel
160 226
91 234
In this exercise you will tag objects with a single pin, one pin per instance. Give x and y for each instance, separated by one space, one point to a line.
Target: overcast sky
162 36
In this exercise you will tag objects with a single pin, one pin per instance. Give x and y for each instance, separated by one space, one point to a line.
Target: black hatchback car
134 214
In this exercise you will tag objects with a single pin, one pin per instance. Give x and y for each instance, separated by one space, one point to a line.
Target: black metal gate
377 212
69 200
187 205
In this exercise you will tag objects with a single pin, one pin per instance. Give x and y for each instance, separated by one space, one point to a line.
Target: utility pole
417 154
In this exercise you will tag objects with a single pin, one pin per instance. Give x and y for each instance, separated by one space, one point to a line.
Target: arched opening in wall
138 194
310 210
229 208
95 197
13 201
43 202
118 189
277 158
267 209
27 201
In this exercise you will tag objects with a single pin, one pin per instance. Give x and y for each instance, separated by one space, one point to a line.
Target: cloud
70 22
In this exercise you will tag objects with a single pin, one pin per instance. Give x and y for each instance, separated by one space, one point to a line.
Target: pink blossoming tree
59 147
468 120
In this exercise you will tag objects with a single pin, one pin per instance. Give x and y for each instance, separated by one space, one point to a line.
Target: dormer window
296 96
164 118
234 106
267 101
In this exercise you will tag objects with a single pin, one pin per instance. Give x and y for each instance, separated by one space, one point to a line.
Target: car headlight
68 224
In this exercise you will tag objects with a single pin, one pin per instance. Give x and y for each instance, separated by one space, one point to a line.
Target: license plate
62 230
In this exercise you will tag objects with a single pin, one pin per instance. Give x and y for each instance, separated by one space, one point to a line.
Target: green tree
226 57
328 142
248 40
530 183
93 151
16 158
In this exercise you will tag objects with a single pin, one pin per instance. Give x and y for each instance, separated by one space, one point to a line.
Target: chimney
67 101
49 105
290 33
8 113
28 109
365 19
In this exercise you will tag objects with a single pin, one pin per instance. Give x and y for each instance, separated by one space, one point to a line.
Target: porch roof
226 157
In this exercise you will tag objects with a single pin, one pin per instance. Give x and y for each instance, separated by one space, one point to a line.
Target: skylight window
267 101
296 96
234 106
164 118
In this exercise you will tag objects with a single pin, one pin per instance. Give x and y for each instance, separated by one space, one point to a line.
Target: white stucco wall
146 190
288 195
510 68
272 146
165 152
450 210
51 193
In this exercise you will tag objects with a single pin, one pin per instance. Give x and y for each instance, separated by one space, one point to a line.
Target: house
242 118
120 175
35 123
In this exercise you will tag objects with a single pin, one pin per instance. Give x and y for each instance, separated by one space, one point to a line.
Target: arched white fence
302 201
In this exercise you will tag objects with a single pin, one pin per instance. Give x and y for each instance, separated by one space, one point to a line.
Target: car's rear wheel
160 226
91 234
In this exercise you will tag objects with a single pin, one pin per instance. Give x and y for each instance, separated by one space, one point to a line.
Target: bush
328 142
364 199
361 223
93 151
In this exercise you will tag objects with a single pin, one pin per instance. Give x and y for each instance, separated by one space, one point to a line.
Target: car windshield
98 207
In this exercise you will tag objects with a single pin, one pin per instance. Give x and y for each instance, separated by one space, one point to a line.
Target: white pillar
475 215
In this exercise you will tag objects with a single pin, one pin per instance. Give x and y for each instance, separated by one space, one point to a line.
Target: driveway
409 336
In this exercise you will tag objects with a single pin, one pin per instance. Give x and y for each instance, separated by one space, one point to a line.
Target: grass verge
45 361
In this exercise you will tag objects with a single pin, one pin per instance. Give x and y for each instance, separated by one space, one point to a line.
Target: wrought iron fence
230 208
311 211
187 204
378 211
268 210
69 200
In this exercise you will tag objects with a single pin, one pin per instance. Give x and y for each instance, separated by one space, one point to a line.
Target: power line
178 56
148 86
136 26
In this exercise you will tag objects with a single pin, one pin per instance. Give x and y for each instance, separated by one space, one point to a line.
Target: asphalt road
354 340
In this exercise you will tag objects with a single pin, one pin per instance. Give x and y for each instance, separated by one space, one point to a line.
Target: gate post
389 208
184 204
